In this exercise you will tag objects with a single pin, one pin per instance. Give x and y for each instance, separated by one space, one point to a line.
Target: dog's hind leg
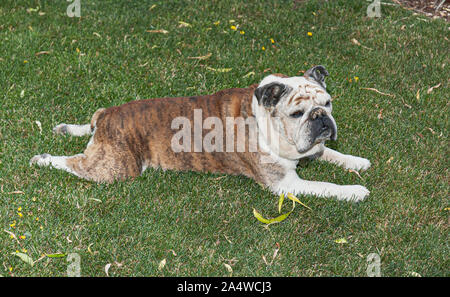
78 130
99 163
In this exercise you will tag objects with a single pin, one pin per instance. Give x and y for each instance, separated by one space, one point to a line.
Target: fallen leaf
356 42
207 56
173 252
341 240
280 202
414 274
183 24
42 53
57 255
107 266
219 69
251 73
418 95
24 257
228 267
162 264
432 88
39 126
259 217
380 114
271 221
390 160
293 198
375 90
158 31
355 172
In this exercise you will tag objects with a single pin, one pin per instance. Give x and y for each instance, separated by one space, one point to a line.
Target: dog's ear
270 94
318 73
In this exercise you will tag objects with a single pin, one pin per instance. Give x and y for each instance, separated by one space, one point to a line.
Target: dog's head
297 110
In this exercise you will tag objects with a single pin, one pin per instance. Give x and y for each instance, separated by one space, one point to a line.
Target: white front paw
357 163
41 160
353 193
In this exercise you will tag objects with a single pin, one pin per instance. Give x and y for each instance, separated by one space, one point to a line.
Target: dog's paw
357 163
60 129
353 193
41 160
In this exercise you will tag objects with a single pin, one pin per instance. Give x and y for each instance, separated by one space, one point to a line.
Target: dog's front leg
346 161
292 183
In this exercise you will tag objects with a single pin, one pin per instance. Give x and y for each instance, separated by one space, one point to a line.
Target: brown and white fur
129 138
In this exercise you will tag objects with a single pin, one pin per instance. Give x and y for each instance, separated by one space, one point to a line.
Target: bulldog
288 117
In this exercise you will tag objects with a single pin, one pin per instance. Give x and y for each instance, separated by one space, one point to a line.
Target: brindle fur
138 134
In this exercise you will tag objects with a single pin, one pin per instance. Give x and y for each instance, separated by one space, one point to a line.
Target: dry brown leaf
228 267
390 160
42 53
432 88
375 90
355 172
356 42
380 114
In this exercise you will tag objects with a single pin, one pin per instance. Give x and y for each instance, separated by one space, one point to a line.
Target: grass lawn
58 69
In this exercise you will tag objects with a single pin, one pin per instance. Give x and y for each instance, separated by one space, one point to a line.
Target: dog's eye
328 104
297 114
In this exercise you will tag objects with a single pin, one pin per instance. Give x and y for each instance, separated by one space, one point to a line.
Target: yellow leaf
341 240
249 74
259 217
280 202
219 69
184 24
293 198
271 221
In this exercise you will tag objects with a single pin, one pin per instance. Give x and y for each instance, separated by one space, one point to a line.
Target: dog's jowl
260 132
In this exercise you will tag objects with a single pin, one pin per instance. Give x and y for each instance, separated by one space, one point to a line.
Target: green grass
198 222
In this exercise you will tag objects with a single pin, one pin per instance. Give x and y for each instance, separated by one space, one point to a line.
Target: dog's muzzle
322 126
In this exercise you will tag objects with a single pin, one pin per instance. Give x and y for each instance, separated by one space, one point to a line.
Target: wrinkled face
298 110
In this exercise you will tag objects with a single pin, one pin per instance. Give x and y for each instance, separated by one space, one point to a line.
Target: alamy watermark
74 9
74 268
374 9
373 265
228 137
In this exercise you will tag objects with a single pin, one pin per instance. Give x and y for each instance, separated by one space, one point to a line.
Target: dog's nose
317 113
